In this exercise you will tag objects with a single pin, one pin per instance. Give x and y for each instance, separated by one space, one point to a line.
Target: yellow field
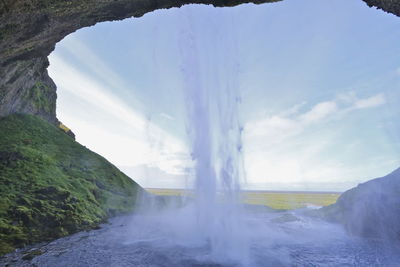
289 200
275 200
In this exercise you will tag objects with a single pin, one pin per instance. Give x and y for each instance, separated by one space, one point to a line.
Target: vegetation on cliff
51 186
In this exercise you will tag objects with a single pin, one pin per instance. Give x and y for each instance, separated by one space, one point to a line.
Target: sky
319 84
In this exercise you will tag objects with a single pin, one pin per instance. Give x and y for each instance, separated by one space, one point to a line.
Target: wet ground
272 239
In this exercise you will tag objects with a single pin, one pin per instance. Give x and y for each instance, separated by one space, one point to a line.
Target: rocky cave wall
30 29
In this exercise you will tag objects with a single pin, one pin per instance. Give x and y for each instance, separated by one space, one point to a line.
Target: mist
223 113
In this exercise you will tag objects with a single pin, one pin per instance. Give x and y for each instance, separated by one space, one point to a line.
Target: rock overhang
30 29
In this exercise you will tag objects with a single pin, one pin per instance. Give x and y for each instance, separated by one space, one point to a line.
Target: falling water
212 101
213 229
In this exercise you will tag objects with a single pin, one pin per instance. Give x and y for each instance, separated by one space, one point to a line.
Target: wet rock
371 209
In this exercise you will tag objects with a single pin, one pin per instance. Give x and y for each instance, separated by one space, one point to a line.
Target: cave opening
283 105
311 94
318 92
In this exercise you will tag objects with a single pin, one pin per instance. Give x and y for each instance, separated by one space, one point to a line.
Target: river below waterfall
165 239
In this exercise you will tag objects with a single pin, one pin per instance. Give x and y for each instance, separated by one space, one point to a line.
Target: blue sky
319 82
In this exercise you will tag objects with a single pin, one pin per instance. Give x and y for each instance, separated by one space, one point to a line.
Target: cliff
51 186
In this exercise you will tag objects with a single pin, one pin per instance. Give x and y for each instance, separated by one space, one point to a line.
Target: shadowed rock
371 209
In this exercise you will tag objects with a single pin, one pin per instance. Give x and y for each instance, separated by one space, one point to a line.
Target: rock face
25 87
371 209
29 30
390 6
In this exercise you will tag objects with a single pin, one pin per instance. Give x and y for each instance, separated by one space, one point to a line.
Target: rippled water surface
167 239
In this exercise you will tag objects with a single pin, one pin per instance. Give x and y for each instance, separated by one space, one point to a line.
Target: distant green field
289 200
273 199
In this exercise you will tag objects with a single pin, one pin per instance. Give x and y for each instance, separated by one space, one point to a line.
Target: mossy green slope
51 186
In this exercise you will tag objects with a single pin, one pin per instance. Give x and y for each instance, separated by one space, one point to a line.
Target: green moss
51 186
38 95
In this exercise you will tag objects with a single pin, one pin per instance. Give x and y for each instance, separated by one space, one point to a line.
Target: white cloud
279 150
319 112
347 98
293 110
370 102
83 87
275 129
292 122
153 177
96 65
166 116
271 127
271 152
132 140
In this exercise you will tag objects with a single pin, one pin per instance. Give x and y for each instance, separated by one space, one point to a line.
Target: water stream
214 130
167 239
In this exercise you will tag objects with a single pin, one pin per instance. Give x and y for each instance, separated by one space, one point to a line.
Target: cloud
319 112
293 110
275 129
292 122
96 65
114 129
281 149
153 177
352 102
82 86
288 167
166 116
347 97
373 101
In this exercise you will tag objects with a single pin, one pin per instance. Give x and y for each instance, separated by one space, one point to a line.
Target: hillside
51 186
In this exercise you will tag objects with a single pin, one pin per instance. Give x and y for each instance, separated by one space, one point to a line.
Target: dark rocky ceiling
30 29
390 6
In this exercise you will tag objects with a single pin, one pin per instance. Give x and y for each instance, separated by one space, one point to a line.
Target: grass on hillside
51 186
275 200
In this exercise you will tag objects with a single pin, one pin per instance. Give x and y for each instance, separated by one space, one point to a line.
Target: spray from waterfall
214 130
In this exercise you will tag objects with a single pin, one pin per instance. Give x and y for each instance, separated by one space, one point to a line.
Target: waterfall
213 125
